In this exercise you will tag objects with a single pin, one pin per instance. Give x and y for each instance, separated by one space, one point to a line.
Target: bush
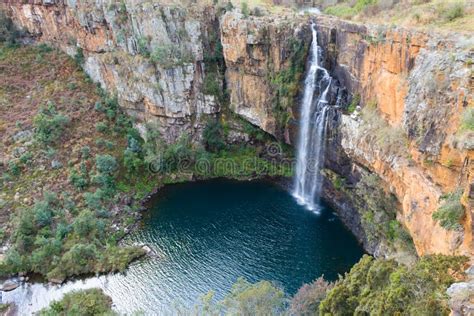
306 301
354 103
244 8
229 6
85 223
26 158
85 152
84 302
211 85
213 136
101 127
14 168
346 11
378 211
261 298
9 34
467 120
79 56
132 161
451 212
49 124
143 46
454 12
383 287
169 56
80 179
177 156
106 164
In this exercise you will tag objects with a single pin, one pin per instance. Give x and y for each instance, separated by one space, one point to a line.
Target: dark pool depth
207 234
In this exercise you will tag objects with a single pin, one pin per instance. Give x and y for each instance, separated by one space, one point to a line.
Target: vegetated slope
451 15
60 162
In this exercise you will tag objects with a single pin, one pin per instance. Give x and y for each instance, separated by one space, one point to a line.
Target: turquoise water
206 235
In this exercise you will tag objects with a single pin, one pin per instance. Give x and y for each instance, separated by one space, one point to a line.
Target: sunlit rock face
420 83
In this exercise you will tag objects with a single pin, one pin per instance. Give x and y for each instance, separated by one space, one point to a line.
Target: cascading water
313 125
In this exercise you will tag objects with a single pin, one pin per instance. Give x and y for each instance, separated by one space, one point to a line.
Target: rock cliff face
420 83
256 51
152 56
163 63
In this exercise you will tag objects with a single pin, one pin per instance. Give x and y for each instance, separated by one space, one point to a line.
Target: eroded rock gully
157 59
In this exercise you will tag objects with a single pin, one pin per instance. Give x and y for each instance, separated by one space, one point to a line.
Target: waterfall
311 141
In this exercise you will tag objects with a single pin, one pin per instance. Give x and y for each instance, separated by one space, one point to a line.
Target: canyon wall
420 84
163 63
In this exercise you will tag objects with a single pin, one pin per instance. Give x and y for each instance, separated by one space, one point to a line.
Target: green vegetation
49 124
80 303
286 83
213 136
467 120
347 10
454 11
383 287
244 8
245 298
9 34
169 56
453 15
354 103
451 212
373 286
378 211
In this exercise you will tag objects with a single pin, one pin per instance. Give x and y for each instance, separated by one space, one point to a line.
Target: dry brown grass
442 15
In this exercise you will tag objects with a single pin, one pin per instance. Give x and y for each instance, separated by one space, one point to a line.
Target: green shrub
261 298
383 287
80 179
467 120
211 86
106 164
85 152
14 168
244 8
49 124
132 161
85 223
354 103
451 212
341 10
143 46
213 136
169 56
101 127
26 158
80 303
9 34
454 11
175 156
79 57
347 11
229 6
